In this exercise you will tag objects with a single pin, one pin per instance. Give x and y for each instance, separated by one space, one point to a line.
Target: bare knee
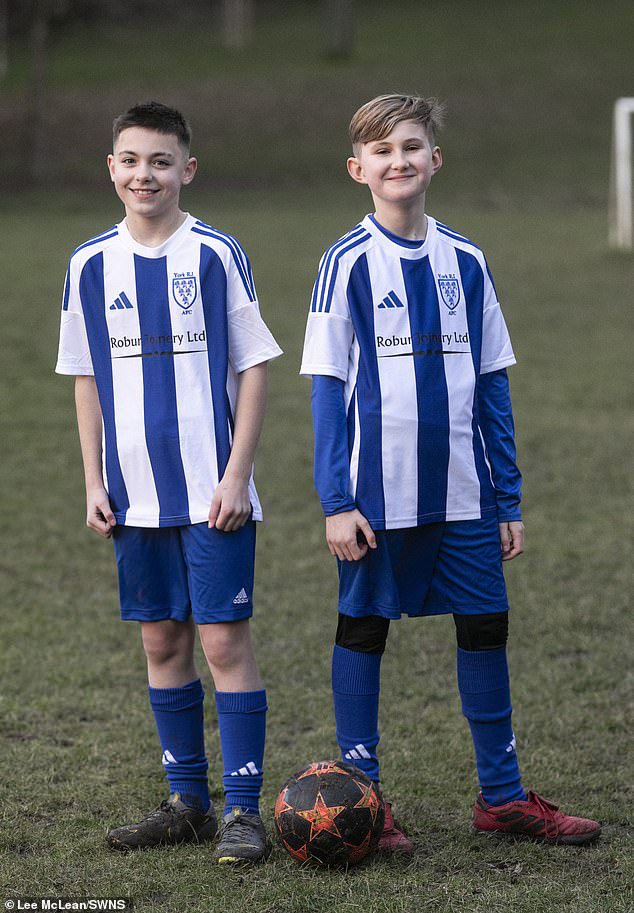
167 642
225 645
230 656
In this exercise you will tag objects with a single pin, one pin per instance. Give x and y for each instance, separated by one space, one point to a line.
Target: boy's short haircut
377 118
154 116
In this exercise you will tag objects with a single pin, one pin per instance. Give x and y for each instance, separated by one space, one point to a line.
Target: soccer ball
329 813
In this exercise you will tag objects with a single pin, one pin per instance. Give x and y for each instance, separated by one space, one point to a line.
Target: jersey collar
407 250
154 252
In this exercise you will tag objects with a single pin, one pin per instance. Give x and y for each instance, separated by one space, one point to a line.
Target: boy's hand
99 514
511 539
349 535
230 506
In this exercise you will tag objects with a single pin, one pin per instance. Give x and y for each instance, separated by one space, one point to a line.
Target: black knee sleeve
364 635
482 632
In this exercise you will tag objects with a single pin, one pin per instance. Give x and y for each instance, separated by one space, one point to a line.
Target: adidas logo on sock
168 758
511 746
250 770
241 597
359 751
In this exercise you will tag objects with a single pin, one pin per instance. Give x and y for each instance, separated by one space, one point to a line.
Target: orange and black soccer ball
329 813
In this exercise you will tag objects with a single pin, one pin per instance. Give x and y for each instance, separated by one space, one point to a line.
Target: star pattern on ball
301 854
369 799
320 767
359 852
321 817
281 805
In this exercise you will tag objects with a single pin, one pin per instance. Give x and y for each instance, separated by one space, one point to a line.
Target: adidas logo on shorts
241 597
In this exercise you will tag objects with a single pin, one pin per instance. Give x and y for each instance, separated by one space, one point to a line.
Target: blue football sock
242 728
178 713
483 681
356 681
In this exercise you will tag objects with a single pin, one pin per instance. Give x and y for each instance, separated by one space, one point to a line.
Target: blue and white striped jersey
165 330
409 327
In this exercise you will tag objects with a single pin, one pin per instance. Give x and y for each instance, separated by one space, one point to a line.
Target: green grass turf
525 176
79 747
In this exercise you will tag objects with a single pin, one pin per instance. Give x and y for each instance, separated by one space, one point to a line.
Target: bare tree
39 42
4 38
339 16
238 17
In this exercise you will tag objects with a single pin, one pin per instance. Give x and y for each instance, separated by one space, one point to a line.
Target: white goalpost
620 215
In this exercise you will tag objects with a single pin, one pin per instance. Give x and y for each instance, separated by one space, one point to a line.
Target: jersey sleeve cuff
258 359
509 513
310 370
74 370
505 362
331 508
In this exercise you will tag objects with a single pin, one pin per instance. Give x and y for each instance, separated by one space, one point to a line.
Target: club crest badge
185 290
450 291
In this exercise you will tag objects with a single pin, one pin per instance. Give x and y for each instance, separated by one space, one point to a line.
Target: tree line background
34 26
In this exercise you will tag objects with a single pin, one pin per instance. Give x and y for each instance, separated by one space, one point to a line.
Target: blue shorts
178 571
427 570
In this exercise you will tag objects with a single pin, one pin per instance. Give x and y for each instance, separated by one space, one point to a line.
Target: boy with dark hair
161 328
415 458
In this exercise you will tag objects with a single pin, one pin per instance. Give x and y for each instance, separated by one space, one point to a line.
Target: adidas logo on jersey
249 770
168 758
391 300
121 303
241 598
359 751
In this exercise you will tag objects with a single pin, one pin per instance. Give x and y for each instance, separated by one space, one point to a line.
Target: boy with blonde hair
415 458
162 331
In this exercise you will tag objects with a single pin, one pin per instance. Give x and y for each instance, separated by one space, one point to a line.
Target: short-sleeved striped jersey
165 331
409 327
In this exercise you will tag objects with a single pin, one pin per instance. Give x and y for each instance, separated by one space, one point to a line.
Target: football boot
172 822
242 838
393 838
534 818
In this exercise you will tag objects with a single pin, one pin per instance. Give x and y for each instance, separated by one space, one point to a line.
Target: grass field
79 752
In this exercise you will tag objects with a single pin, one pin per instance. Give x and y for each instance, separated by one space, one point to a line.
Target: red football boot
393 839
534 818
